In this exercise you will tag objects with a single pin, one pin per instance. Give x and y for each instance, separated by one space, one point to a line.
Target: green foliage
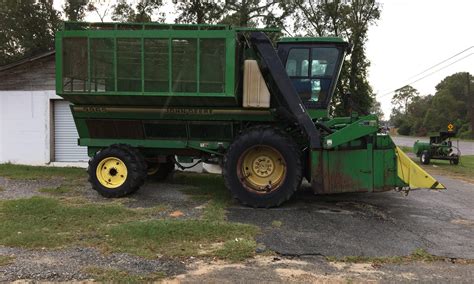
350 21
377 110
141 12
27 28
403 97
74 10
247 13
199 12
416 115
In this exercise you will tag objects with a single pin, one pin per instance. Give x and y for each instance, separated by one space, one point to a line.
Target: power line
434 72
437 64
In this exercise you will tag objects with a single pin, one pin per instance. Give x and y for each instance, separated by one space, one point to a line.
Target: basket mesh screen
129 66
102 65
184 65
212 66
156 65
75 64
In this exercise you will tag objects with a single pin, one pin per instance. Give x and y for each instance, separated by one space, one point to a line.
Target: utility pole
470 99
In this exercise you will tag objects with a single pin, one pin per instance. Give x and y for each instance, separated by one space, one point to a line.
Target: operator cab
313 65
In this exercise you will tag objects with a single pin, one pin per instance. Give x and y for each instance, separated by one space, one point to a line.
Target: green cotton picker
145 97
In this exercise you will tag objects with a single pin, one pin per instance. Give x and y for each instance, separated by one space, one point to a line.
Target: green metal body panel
367 166
351 132
419 147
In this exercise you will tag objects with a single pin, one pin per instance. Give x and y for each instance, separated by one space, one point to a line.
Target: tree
142 11
75 9
240 13
101 9
27 27
376 109
199 12
403 97
422 115
351 21
252 13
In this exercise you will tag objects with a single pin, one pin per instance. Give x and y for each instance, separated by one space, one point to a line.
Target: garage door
65 135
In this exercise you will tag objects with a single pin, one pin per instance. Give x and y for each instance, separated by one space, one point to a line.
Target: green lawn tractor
440 147
146 96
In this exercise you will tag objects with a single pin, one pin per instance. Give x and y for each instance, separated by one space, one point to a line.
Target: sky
413 35
410 37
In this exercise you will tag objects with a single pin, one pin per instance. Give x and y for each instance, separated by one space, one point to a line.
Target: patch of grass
2 188
6 260
277 224
237 250
47 222
175 237
464 170
206 187
60 190
120 276
416 255
25 172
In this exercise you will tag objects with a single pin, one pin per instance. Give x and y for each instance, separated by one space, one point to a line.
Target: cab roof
311 39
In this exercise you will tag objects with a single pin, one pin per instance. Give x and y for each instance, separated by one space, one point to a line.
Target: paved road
466 147
379 224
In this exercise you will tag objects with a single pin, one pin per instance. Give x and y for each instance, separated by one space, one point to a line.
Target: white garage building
36 126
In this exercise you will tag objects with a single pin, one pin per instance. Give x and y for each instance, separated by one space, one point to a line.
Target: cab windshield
311 70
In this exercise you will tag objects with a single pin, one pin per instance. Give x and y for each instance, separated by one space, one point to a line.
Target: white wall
25 126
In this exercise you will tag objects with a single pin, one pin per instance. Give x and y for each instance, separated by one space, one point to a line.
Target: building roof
26 60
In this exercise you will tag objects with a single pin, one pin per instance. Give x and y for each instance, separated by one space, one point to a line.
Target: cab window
297 63
312 81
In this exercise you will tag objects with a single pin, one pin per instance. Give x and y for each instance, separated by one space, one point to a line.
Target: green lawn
464 170
24 172
55 222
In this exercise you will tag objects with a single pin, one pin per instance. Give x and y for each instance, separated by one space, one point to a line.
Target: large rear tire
262 167
116 171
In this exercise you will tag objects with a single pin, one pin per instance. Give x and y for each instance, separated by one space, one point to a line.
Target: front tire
262 167
425 157
455 161
116 171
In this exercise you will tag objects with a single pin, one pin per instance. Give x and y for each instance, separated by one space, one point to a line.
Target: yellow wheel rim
111 172
262 169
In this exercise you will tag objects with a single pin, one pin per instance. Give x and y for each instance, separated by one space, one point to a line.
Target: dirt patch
313 270
464 222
